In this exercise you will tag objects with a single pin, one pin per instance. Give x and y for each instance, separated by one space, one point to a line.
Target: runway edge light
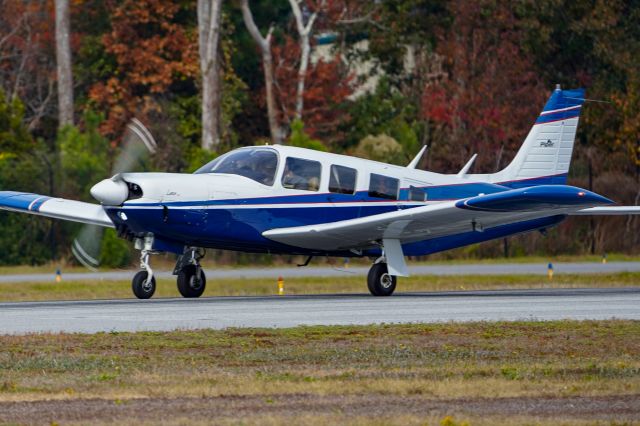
280 286
550 270
58 275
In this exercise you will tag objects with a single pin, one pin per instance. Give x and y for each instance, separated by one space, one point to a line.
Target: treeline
371 78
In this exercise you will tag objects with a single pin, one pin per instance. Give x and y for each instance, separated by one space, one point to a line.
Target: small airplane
288 200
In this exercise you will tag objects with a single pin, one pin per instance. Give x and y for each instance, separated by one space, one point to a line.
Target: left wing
57 208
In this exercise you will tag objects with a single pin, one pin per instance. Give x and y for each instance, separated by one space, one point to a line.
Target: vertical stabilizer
545 155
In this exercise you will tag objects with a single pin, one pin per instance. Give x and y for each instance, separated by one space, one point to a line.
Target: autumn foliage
329 84
152 51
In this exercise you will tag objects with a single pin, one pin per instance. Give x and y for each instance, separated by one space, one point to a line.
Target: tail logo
547 144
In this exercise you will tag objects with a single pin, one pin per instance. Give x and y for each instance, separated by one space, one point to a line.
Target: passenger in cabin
301 174
291 180
265 171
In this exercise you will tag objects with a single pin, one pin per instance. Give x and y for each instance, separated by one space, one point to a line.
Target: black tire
379 281
140 287
188 284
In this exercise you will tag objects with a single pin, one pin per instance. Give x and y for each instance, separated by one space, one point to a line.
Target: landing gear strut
191 278
379 281
144 283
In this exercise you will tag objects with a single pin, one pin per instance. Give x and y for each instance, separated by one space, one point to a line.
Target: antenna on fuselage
463 171
416 160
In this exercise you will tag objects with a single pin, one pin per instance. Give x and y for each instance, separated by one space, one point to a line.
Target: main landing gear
379 281
191 279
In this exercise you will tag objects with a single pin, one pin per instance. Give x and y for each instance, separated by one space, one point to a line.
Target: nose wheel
144 283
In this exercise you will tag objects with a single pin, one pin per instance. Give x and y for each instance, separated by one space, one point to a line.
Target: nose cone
110 193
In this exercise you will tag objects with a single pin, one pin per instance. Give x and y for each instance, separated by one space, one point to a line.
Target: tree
27 61
209 12
264 44
63 62
304 32
149 52
328 85
489 94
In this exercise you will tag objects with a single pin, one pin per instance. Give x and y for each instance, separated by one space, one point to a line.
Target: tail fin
545 155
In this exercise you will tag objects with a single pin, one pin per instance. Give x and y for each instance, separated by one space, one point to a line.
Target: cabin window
417 194
301 174
257 164
383 187
342 180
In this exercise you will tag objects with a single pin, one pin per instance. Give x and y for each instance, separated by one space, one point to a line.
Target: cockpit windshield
253 163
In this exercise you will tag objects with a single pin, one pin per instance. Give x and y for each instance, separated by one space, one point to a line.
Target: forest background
375 79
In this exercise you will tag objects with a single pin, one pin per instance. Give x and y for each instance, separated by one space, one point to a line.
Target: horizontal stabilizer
57 208
608 211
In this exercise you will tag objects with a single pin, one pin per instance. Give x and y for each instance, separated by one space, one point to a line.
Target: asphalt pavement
290 311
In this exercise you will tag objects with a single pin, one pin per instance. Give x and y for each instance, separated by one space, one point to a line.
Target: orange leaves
152 49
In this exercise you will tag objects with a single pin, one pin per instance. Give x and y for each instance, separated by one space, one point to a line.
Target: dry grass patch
329 371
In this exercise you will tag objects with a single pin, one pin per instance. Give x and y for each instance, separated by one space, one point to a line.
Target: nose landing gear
191 278
144 283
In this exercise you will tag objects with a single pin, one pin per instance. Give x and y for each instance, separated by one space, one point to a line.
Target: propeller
138 146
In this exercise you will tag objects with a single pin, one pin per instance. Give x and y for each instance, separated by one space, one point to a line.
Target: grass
69 290
473 372
167 262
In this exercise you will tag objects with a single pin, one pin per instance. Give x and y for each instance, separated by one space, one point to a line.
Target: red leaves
151 50
328 84
490 95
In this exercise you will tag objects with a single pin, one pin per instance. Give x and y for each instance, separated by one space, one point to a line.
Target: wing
57 208
431 221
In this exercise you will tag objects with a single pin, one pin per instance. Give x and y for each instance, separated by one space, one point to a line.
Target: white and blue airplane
287 200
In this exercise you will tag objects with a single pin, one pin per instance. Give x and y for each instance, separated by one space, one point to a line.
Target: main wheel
379 281
141 286
190 285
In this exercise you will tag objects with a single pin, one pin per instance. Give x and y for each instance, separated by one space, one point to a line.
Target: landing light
581 194
123 216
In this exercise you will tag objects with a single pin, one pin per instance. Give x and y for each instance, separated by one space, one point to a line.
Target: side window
417 194
383 187
342 180
301 174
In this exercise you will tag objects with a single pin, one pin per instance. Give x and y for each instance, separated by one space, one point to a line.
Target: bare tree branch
264 43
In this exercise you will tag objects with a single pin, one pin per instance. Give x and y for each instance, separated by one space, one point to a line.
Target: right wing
57 208
442 219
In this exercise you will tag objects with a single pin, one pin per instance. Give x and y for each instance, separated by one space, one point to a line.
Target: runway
290 311
340 271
